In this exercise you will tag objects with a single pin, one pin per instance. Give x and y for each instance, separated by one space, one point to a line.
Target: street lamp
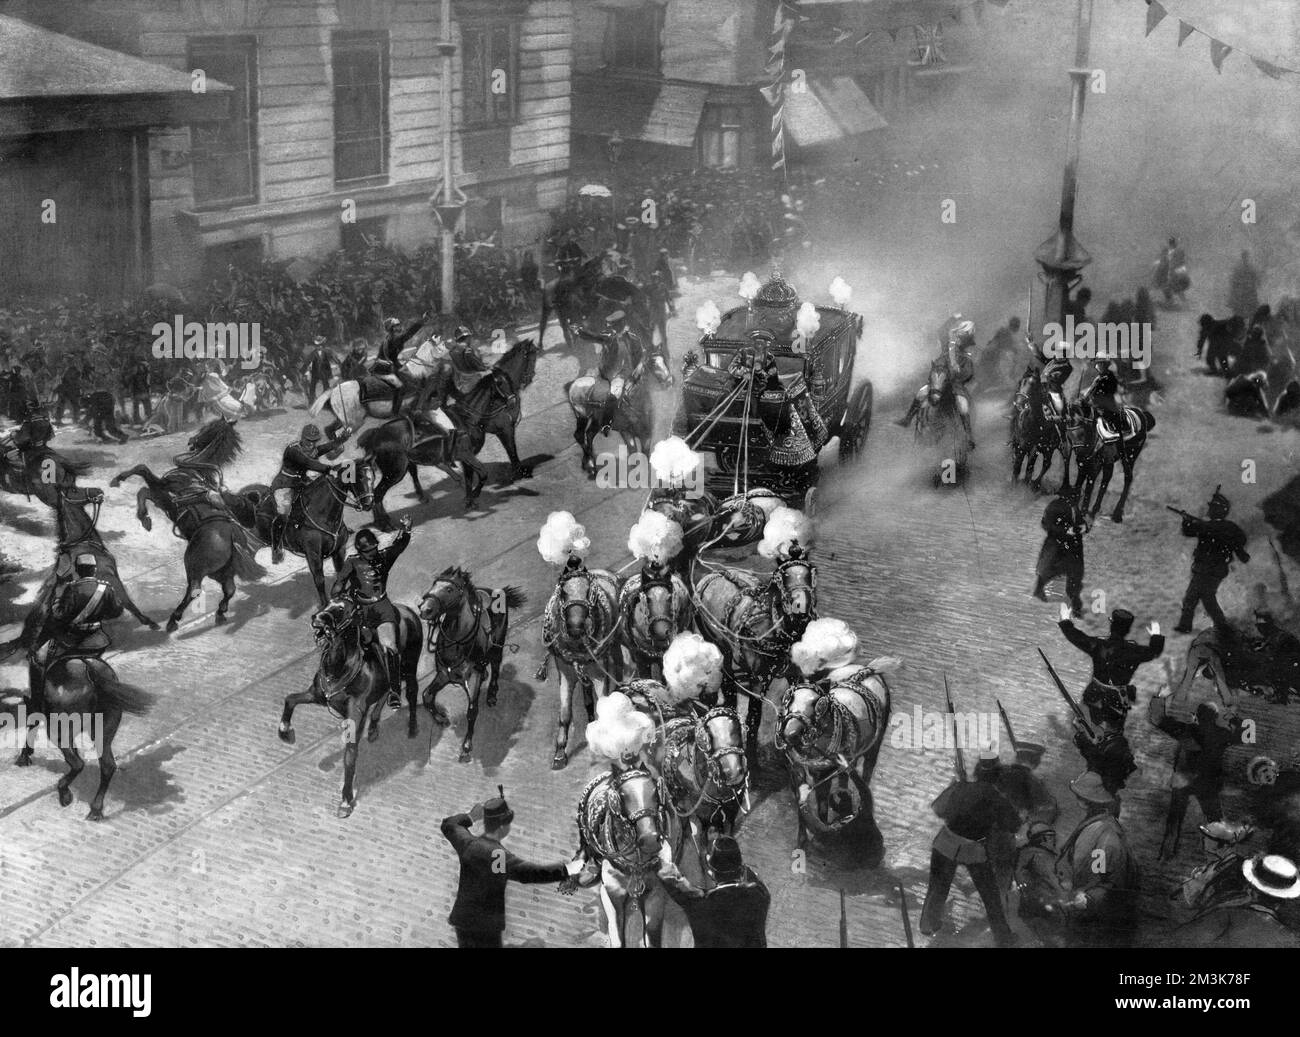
450 202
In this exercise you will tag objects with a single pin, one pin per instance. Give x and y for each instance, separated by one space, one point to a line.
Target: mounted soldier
622 349
364 577
299 458
958 353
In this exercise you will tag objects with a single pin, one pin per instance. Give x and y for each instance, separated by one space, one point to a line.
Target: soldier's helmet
1219 505
310 434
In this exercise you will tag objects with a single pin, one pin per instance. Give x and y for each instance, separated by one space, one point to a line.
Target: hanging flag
1268 68
1218 51
1155 15
1184 30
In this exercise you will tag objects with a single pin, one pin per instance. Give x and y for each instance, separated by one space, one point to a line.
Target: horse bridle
449 613
713 755
777 583
665 581
824 704
343 497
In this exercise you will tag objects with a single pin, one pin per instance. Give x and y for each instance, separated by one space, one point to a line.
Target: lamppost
1061 256
613 151
450 202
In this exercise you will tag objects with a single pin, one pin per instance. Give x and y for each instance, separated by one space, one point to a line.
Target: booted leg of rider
391 660
913 409
963 410
283 502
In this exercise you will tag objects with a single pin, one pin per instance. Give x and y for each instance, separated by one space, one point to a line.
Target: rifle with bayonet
1006 723
1187 515
844 922
956 745
907 921
1074 706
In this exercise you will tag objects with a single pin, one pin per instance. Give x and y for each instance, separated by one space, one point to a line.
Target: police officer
76 622
298 459
1062 550
1020 783
1217 542
730 913
479 914
971 812
365 576
1103 871
1114 661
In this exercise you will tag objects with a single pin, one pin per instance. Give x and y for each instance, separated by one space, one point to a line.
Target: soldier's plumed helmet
1219 505
310 434
1121 621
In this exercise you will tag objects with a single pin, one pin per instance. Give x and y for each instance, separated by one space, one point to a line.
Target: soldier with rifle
1217 542
1062 550
1019 782
1114 661
971 812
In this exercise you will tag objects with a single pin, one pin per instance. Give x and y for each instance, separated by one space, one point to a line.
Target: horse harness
684 737
841 721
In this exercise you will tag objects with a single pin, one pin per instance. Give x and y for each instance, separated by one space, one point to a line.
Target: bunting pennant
1155 15
1267 67
1184 30
1218 51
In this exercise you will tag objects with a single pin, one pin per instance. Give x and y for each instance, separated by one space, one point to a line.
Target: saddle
1126 426
378 387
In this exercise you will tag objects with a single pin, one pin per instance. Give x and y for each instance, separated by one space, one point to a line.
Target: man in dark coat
530 277
1062 550
971 812
1198 765
1103 911
1039 885
353 367
69 391
1217 541
1106 751
138 384
1114 661
730 913
1027 792
1243 287
319 368
479 914
102 412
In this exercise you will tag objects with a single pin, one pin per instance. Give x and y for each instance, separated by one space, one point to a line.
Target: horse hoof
466 754
412 730
559 760
219 619
1117 518
345 808
172 626
287 735
65 797
96 814
147 523
152 625
524 473
492 699
24 760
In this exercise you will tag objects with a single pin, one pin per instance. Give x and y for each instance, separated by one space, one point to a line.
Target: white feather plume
749 286
825 645
692 667
783 527
708 317
841 293
808 321
655 538
561 537
618 731
673 461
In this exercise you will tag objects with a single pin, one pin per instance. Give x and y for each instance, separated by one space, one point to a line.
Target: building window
632 37
489 66
224 154
720 136
360 106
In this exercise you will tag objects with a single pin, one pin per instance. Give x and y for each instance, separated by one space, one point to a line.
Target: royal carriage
771 385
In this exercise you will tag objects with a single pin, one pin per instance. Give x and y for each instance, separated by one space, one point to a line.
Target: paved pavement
218 833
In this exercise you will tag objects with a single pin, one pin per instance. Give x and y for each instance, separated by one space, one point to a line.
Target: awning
657 113
830 109
51 83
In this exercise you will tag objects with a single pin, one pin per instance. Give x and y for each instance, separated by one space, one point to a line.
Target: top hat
1089 788
1273 875
724 857
496 812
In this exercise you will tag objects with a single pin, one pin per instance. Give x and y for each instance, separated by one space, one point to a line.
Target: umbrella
595 191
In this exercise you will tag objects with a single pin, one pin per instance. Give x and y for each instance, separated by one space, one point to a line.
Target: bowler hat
724 858
1089 788
496 812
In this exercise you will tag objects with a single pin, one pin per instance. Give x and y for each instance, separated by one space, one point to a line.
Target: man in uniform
353 367
479 914
1020 783
319 368
1103 395
622 349
1198 765
69 391
1106 751
365 576
958 353
395 339
730 913
75 626
1217 541
1247 915
298 459
1062 550
972 811
1114 661
1103 871
1006 342
1041 892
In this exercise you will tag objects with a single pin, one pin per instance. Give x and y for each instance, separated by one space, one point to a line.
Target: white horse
376 396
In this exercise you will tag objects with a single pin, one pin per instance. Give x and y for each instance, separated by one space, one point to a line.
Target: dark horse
467 637
316 529
1037 433
83 696
492 406
1098 450
350 683
215 546
577 294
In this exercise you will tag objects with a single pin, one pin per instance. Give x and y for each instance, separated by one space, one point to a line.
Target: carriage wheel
856 424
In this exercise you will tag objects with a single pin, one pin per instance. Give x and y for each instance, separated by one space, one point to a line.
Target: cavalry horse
819 723
398 448
84 696
700 754
623 827
467 637
1097 450
316 529
938 421
350 682
215 543
376 396
583 290
653 612
580 630
754 624
1037 433
633 418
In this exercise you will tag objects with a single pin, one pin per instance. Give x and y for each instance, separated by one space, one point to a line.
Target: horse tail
514 597
246 567
1148 420
127 697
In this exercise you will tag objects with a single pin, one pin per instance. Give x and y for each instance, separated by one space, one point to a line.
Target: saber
1074 706
907 920
956 745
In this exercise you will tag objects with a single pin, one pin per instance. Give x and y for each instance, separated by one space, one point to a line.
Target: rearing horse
754 624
